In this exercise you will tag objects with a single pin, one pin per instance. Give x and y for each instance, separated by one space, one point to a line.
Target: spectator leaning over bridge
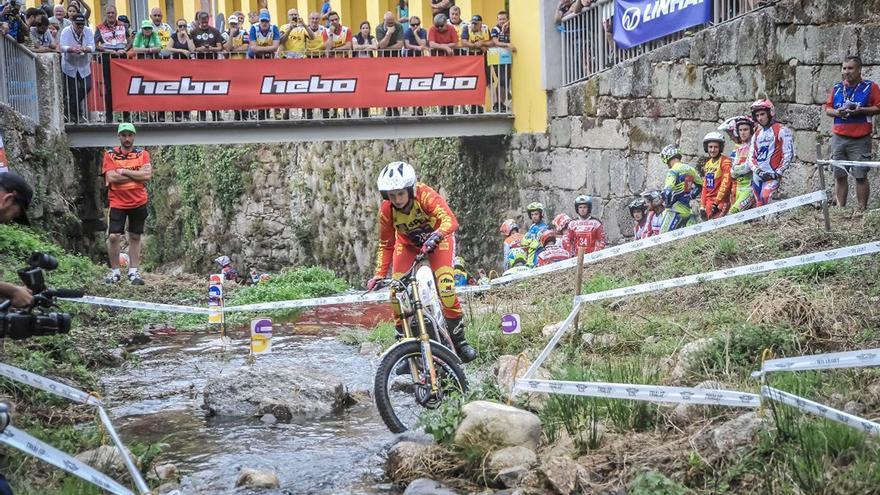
512 237
162 29
126 171
147 43
853 102
531 241
42 38
77 43
15 24
715 197
457 23
771 153
390 34
585 231
442 40
235 39
264 38
111 39
294 36
740 130
682 185
364 46
337 36
476 39
501 43
208 43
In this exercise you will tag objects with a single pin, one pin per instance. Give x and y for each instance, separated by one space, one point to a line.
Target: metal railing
18 78
93 96
588 46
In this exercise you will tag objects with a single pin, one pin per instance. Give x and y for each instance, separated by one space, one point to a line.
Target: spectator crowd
318 35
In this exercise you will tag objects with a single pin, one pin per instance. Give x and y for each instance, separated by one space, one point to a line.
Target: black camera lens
43 260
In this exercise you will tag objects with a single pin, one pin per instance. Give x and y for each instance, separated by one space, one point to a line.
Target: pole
820 167
579 279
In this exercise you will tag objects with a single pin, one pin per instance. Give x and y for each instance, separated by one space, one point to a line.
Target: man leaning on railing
77 43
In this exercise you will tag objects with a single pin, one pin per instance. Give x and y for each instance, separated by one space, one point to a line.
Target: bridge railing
588 45
18 79
89 101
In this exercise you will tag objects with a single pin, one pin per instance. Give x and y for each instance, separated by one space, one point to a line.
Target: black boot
464 350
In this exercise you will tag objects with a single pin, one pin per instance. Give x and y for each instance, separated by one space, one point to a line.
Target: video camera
24 323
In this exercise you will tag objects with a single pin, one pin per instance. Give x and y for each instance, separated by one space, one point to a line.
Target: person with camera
15 198
126 171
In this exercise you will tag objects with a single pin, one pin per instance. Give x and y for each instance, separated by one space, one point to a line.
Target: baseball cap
264 16
233 19
145 24
14 183
126 127
79 19
124 19
476 18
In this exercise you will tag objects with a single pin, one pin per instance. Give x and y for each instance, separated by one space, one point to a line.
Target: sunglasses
181 25
415 24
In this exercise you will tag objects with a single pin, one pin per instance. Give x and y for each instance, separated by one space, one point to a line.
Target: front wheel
399 400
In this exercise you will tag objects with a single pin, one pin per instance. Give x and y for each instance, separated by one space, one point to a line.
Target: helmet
459 262
669 152
638 204
731 126
713 137
222 260
561 221
508 226
396 175
535 206
583 199
764 104
515 255
652 196
548 237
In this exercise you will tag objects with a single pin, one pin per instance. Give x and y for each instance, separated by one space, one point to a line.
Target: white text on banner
649 393
821 410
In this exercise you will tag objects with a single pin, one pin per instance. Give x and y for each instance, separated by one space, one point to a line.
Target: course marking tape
47 385
649 393
305 303
553 341
20 440
834 360
700 228
767 266
149 306
129 464
821 410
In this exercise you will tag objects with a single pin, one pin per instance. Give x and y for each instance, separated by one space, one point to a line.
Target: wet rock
269 419
488 423
114 357
370 349
512 456
425 486
562 473
689 356
736 435
105 458
254 478
282 392
164 472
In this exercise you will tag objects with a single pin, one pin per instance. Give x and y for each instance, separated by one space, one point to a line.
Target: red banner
155 85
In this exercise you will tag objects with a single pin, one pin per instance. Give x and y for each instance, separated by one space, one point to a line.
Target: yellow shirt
296 40
458 29
164 32
316 44
482 35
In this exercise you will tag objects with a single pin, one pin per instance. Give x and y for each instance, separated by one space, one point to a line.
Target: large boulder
253 478
689 356
105 458
504 370
282 392
489 424
737 435
512 456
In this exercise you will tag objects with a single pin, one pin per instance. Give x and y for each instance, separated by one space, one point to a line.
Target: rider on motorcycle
413 219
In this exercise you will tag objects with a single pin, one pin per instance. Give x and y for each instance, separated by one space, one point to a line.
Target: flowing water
159 399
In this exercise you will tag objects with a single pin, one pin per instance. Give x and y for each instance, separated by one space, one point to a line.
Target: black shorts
136 219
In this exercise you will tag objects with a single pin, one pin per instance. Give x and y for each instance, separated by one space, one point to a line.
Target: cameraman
15 198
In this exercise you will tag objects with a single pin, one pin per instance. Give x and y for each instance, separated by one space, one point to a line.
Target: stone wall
605 134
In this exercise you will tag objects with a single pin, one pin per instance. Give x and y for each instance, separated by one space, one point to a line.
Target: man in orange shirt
126 171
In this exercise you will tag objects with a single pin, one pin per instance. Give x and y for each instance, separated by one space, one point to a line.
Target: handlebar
385 282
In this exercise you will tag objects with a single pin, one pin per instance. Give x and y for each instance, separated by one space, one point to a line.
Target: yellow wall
529 100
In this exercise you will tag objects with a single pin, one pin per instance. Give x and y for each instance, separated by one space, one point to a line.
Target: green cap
146 23
126 127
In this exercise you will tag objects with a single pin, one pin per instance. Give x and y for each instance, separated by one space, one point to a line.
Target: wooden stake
579 279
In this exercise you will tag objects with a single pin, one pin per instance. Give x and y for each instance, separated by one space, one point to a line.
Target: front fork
424 338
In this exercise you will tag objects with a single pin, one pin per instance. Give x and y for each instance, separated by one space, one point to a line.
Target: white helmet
713 137
396 175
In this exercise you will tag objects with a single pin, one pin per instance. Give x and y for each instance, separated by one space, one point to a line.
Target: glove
431 244
667 197
371 284
715 211
764 175
703 215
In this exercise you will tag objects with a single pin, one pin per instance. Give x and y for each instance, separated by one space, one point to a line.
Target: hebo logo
631 18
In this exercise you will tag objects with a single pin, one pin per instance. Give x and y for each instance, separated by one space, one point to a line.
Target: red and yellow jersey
131 194
513 241
716 183
429 213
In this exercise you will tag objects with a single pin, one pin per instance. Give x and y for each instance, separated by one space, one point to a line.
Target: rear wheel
399 400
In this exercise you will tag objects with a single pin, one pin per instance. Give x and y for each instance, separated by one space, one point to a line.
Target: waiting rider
551 252
586 230
715 197
512 237
229 271
517 259
532 240
740 130
560 223
413 219
459 273
638 210
683 184
771 152
654 200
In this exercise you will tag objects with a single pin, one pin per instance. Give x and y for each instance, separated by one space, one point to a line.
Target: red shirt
867 93
448 35
587 232
131 194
